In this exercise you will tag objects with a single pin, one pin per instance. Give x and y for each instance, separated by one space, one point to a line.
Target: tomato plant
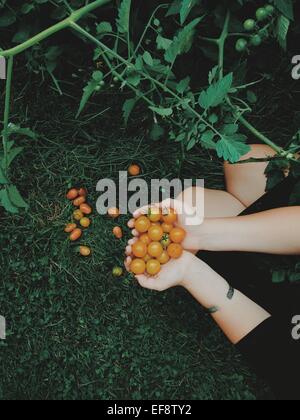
213 112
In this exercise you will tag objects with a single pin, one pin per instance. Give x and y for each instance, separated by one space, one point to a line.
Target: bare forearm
275 232
238 316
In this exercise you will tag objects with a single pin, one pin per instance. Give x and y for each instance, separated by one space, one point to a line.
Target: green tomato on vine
241 45
262 14
249 25
256 40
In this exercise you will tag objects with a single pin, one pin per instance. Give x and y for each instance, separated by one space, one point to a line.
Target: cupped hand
172 274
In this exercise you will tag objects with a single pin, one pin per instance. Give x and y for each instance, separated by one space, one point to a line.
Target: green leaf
3 179
123 21
16 129
16 198
187 6
163 112
148 58
7 19
157 132
282 30
207 139
163 43
278 276
128 107
104 27
232 148
183 85
13 153
6 202
216 93
89 90
286 7
182 42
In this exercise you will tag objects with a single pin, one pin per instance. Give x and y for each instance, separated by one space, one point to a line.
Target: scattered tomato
86 209
155 249
75 235
177 235
155 233
72 194
82 192
134 170
85 251
78 201
154 214
70 227
175 251
145 238
164 258
169 216
113 212
139 249
117 272
118 233
142 224
138 266
78 215
153 267
85 222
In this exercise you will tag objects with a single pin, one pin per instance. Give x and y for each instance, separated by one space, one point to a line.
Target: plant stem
5 135
75 16
221 43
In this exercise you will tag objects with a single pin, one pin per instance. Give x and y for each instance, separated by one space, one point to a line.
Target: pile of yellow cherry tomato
80 217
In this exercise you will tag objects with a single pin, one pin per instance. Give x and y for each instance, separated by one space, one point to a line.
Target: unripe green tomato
270 9
256 40
261 14
249 25
102 83
241 45
117 272
98 88
116 79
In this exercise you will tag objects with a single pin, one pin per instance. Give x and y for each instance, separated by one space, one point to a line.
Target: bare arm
274 232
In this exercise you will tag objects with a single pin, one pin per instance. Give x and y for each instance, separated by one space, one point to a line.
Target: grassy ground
74 331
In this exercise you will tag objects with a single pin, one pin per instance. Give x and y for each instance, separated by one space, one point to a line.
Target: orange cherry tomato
78 215
138 266
134 170
153 267
78 201
147 258
175 251
169 216
164 258
165 241
117 271
85 222
142 224
155 249
177 235
145 238
72 194
75 235
113 212
118 233
154 214
155 233
86 209
70 227
167 227
139 249
82 192
85 251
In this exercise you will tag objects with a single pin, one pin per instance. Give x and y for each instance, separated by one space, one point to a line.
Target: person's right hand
184 212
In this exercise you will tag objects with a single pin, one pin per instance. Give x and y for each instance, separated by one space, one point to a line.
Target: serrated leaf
123 21
104 27
163 43
147 57
87 93
182 42
207 139
232 148
182 86
156 132
16 198
216 93
163 112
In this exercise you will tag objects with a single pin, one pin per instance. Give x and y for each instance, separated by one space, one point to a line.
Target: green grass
74 331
